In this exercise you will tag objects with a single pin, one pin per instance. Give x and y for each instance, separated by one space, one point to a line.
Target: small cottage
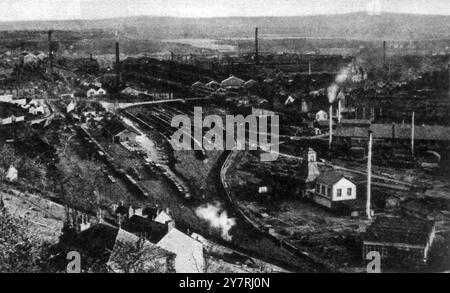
321 115
126 135
333 187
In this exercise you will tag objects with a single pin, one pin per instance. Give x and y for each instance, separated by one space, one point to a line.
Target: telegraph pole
412 133
369 177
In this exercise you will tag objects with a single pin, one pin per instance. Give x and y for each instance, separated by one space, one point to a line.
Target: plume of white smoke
332 92
343 76
217 218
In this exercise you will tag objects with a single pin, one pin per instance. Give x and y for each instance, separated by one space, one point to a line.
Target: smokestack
384 53
412 133
309 68
117 64
369 177
331 126
339 110
256 47
50 53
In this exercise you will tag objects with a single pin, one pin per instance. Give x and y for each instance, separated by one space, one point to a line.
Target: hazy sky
86 9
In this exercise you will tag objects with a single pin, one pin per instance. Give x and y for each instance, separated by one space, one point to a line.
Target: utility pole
117 63
412 133
50 54
369 177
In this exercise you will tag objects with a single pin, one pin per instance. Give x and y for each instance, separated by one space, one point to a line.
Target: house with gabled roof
213 85
189 252
132 254
233 82
333 187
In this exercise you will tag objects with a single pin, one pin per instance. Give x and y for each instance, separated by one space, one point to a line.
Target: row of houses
231 83
148 241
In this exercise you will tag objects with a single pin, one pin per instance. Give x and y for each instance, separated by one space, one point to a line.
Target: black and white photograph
249 138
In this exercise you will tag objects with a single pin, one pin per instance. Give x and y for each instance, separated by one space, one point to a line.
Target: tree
136 257
20 252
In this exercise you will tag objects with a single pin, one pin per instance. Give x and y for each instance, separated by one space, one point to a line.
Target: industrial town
360 181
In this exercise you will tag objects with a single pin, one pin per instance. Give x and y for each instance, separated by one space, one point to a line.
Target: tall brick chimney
256 47
117 64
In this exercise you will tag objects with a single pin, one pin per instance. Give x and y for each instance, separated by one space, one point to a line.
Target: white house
30 59
321 115
189 252
233 82
126 135
332 187
41 56
101 92
91 93
12 174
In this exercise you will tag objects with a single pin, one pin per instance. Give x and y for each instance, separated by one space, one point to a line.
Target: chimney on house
256 47
50 53
170 225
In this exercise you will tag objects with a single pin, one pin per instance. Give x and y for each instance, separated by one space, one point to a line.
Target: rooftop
153 231
330 178
404 230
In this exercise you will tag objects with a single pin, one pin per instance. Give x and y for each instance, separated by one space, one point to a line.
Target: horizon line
224 17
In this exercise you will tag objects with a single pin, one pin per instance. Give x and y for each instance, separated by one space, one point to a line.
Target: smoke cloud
217 218
342 77
332 92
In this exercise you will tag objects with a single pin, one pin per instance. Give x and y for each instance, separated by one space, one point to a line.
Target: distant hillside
361 26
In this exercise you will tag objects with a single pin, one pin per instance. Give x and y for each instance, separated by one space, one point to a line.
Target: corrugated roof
397 230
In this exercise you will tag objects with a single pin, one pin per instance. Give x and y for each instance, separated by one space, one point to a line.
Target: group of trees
28 169
20 251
